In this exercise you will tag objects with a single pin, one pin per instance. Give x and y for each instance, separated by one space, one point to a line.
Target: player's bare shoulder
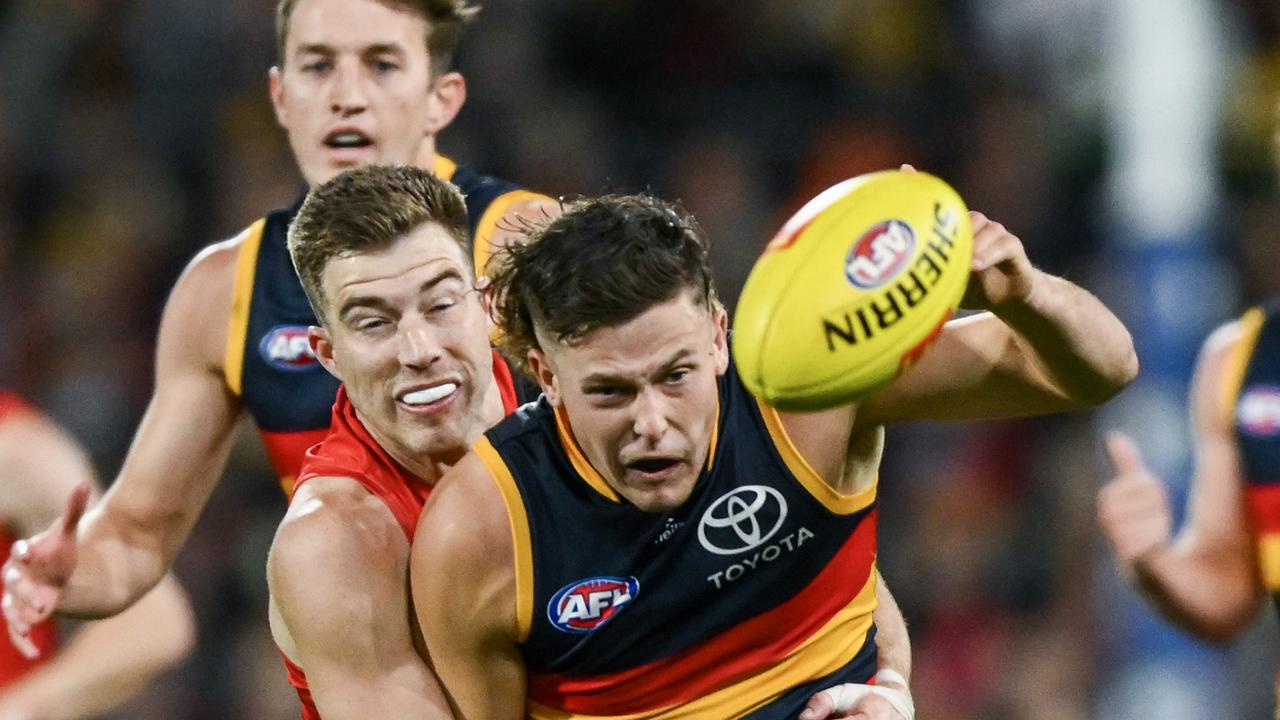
198 312
335 520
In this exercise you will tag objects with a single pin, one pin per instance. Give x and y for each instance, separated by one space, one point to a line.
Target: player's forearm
1080 345
108 661
893 644
1212 597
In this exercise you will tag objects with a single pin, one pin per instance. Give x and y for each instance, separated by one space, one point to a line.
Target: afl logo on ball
880 254
1258 412
742 520
587 605
286 348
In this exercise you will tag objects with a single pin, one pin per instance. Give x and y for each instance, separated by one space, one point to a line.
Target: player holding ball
731 543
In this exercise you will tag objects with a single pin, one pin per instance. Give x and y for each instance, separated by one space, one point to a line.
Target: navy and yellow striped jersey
743 602
1252 391
269 365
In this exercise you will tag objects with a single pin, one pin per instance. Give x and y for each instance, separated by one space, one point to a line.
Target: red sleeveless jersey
12 664
350 451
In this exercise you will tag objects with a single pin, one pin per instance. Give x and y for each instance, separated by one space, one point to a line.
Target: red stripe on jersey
737 653
286 450
1263 503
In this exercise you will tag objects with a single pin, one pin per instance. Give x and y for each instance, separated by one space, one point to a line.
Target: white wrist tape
845 696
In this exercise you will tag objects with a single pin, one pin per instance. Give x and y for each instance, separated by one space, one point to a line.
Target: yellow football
852 290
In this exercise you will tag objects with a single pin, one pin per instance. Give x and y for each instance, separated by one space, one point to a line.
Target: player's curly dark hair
602 263
445 20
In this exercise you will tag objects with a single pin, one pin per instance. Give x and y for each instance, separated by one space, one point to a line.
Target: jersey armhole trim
1238 362
521 539
819 488
482 243
241 299
443 167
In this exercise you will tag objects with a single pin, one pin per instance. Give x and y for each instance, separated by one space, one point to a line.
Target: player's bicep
464 595
339 590
187 430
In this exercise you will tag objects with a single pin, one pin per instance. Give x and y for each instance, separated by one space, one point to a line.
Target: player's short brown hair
444 18
602 263
367 210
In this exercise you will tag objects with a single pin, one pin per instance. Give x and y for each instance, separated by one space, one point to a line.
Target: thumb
76 504
907 168
818 707
1124 454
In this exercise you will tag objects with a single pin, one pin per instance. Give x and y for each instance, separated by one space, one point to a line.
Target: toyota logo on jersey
742 520
586 605
286 348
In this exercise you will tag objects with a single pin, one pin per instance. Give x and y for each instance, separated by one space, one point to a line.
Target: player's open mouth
429 396
346 139
653 468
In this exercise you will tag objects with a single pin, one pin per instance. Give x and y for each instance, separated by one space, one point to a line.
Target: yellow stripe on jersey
241 299
1233 372
820 489
715 438
444 168
825 652
520 536
579 461
1269 560
482 247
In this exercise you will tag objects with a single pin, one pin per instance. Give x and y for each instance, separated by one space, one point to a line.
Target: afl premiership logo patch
1258 412
286 348
880 254
586 605
742 520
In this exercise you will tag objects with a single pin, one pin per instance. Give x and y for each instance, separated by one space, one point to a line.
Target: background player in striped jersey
651 539
104 662
359 81
1211 578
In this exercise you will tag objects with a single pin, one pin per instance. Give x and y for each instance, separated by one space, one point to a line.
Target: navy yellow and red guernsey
269 365
743 602
1252 396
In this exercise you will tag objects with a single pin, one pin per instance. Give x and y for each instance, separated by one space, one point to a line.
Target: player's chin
659 494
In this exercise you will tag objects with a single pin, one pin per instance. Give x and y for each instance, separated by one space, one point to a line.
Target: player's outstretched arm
128 541
340 610
105 662
465 594
1046 345
1206 579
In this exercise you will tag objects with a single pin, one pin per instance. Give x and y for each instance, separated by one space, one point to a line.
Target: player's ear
545 376
720 321
322 348
275 87
448 93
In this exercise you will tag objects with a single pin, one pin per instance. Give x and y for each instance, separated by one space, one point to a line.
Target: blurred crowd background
1127 142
